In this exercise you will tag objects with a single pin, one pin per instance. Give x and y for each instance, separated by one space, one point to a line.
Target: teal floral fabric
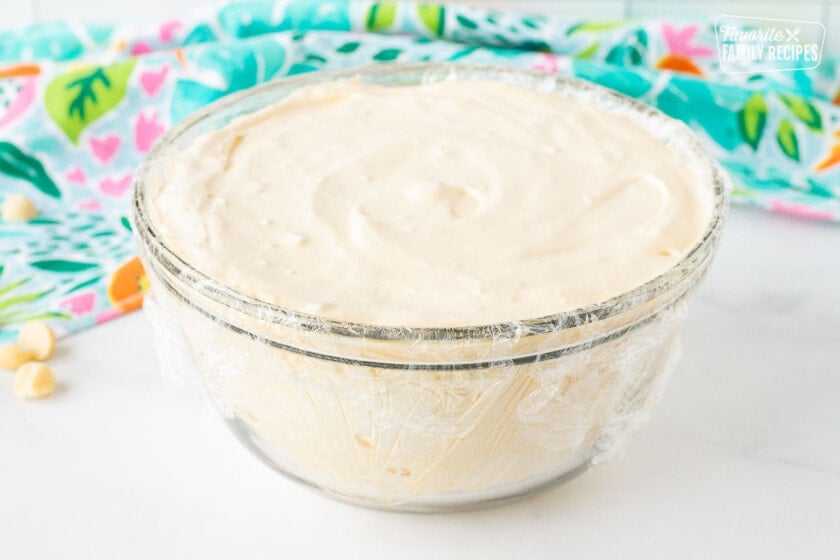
81 105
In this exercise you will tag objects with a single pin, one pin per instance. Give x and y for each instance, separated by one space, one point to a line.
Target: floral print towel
80 106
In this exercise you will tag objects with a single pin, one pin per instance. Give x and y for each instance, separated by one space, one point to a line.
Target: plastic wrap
424 419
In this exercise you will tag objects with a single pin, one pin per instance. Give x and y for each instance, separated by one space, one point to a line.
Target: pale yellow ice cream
455 203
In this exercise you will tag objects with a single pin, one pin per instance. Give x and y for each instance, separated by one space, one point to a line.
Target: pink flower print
76 175
115 187
80 304
151 80
679 41
140 48
91 205
168 30
146 131
21 102
105 148
800 211
550 63
107 315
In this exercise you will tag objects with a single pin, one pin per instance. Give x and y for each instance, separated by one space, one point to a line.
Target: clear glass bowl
423 419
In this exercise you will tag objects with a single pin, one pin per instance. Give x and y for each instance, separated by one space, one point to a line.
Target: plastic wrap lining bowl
423 419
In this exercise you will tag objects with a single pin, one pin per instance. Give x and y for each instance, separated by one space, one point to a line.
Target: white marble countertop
740 460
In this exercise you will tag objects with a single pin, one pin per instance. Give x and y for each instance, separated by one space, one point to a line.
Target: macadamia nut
18 208
34 380
13 356
38 338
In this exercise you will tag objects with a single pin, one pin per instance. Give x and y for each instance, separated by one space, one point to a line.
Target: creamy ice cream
458 203
455 203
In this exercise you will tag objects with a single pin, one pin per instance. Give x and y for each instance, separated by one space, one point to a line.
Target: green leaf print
589 51
14 307
624 55
532 22
386 55
804 111
466 22
462 53
76 99
315 58
752 119
348 48
59 265
20 317
15 163
84 284
631 52
381 15
11 286
593 26
433 17
22 298
786 137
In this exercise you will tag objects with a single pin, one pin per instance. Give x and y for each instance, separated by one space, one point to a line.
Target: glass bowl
423 419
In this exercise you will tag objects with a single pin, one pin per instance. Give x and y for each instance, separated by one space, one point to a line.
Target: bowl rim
229 297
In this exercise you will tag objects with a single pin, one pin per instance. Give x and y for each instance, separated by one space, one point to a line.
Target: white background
740 460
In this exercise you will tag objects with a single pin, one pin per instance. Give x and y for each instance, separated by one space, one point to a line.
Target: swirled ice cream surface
445 204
